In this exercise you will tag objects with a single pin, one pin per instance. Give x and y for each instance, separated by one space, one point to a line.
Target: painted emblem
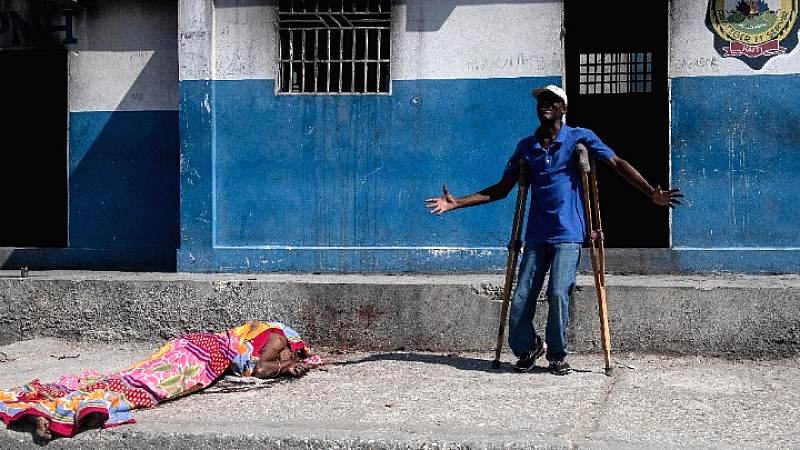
753 30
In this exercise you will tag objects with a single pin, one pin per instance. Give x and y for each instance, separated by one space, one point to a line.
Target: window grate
334 46
616 73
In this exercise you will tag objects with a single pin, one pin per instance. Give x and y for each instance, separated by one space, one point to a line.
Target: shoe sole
538 355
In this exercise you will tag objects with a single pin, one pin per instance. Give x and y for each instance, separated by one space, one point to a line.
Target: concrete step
720 315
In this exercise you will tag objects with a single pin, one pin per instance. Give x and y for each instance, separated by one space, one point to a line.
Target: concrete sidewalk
423 400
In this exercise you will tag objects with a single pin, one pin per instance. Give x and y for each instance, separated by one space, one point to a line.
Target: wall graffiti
42 29
515 62
695 64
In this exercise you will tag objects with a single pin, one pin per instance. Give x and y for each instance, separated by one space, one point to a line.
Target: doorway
33 125
616 81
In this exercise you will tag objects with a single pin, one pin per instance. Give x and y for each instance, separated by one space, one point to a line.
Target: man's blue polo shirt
556 190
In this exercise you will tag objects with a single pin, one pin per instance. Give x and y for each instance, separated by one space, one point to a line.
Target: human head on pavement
551 103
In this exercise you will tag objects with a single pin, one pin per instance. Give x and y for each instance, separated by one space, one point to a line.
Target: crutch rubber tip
609 371
495 364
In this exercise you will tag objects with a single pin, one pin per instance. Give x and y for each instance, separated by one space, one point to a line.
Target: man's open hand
666 198
441 204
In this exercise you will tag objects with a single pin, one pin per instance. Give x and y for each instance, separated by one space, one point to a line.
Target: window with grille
334 46
615 73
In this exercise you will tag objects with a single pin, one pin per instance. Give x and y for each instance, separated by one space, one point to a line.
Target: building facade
304 136
93 88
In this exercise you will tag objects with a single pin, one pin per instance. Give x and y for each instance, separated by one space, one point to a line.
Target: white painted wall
480 40
195 39
246 45
443 39
125 58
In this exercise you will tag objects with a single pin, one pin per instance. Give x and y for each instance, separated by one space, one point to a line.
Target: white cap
551 88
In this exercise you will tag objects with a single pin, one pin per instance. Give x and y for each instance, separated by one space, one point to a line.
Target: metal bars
616 73
334 46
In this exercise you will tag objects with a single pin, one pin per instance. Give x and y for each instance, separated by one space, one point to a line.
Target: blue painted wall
337 183
736 155
124 195
123 180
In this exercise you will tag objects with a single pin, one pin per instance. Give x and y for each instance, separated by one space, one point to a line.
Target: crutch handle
585 160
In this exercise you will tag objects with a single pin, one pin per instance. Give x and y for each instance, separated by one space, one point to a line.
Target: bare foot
43 427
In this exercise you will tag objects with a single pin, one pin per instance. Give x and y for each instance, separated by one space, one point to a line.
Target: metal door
616 81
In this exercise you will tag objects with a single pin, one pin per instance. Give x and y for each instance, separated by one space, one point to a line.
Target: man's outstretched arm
447 202
670 197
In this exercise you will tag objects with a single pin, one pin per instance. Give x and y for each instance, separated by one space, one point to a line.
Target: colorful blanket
182 366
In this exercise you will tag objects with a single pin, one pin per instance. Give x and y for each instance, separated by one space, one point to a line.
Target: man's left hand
666 198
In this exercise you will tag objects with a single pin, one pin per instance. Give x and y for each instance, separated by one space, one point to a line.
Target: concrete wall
735 151
735 316
336 183
178 138
123 125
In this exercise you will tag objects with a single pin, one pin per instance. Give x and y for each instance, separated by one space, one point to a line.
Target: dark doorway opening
616 81
33 124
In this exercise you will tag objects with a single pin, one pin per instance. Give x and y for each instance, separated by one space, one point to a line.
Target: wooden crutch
591 204
514 247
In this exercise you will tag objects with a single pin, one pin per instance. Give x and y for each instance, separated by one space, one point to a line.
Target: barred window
616 73
334 46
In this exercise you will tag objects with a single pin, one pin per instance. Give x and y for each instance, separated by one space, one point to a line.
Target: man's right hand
441 204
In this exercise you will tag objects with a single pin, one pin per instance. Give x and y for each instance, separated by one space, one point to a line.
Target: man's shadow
456 361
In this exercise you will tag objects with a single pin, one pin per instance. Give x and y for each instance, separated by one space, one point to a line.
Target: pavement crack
596 407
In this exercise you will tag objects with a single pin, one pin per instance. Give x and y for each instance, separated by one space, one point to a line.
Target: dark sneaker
560 367
528 360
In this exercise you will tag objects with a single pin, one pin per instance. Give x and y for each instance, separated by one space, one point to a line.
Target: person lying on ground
182 366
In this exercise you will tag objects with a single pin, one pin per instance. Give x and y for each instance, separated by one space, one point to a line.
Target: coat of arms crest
753 30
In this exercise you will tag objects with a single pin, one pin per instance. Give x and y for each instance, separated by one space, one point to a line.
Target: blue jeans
562 261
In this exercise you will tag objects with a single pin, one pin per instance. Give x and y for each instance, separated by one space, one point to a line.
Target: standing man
556 226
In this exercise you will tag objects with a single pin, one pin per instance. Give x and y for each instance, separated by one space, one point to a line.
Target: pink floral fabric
183 365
